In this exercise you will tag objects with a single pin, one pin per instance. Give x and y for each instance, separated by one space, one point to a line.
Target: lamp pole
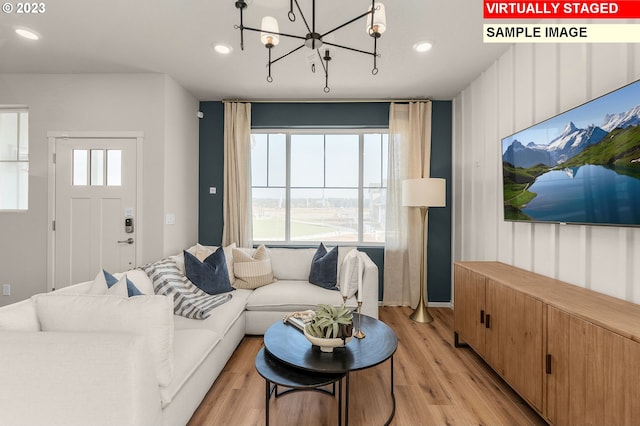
421 313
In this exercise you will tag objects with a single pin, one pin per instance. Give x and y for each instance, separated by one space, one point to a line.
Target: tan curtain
409 157
237 175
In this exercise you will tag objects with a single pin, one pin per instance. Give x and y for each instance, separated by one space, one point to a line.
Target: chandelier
270 35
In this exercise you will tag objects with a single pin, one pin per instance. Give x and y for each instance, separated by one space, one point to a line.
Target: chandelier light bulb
379 24
269 24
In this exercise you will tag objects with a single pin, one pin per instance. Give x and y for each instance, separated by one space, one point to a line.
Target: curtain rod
321 101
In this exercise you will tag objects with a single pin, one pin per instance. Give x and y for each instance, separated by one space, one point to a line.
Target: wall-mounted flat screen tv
580 167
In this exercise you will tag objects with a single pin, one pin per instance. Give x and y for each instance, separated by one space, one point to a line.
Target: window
96 166
14 159
312 186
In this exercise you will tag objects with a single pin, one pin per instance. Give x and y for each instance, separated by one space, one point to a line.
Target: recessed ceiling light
28 34
223 49
422 46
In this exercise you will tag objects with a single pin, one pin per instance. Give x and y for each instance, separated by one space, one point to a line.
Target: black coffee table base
288 347
393 400
277 374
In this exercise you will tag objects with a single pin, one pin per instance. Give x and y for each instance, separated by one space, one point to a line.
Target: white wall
180 167
528 84
91 102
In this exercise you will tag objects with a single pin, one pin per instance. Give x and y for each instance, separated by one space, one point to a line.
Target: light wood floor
435 384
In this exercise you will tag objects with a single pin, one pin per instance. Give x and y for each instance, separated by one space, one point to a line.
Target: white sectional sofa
107 377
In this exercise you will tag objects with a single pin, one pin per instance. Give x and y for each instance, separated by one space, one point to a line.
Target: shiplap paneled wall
528 84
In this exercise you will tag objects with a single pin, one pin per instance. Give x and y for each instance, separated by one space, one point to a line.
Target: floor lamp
423 193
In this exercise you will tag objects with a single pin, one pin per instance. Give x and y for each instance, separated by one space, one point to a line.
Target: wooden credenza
571 353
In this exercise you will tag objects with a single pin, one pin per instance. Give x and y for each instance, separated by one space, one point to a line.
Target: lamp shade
269 24
425 192
379 25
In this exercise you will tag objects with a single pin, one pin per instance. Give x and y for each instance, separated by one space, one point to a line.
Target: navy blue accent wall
211 173
338 115
309 115
439 231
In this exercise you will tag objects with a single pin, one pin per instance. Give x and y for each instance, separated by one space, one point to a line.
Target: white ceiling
175 37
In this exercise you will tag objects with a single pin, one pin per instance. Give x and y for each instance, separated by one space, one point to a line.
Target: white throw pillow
351 273
99 286
141 280
147 316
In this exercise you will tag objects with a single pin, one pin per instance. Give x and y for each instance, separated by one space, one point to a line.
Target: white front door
95 223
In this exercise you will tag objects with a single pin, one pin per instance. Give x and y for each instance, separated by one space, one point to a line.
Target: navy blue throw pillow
210 276
324 268
132 290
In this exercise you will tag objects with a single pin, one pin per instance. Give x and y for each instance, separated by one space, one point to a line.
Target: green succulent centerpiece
330 327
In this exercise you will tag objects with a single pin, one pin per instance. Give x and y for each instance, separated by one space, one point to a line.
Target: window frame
19 110
288 132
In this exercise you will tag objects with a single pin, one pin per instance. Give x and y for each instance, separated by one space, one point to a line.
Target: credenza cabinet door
594 376
503 326
514 339
468 319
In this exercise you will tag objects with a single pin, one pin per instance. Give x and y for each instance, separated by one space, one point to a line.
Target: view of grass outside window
312 186
14 159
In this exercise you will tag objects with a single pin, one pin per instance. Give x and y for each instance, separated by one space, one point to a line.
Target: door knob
128 241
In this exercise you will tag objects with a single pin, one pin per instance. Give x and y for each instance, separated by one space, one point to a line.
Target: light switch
6 289
212 190
171 219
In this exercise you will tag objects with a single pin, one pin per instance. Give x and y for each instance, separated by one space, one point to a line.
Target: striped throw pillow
188 300
252 271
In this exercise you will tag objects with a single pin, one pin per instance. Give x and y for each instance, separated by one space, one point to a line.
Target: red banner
562 9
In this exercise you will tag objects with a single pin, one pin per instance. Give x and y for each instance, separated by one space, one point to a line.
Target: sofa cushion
190 349
252 271
290 296
188 300
19 316
221 319
324 268
291 264
295 263
210 275
148 316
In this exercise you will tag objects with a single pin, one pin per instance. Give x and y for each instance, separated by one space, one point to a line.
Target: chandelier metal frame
313 39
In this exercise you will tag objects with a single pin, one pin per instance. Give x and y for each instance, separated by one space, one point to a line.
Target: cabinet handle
548 363
482 316
487 322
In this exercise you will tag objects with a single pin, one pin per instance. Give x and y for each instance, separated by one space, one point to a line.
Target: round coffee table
277 374
288 345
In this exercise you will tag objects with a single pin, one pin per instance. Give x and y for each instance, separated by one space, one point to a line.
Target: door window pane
114 167
80 167
97 167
